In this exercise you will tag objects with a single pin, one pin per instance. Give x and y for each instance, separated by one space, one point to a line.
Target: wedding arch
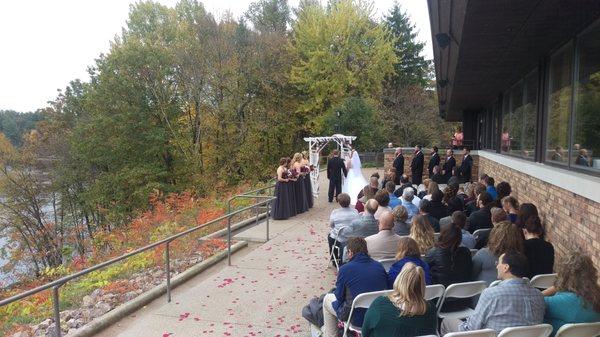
316 145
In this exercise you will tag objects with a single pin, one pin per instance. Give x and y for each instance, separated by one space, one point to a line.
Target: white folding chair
543 281
481 232
434 291
460 290
363 300
436 236
335 248
474 333
387 263
579 330
495 283
540 330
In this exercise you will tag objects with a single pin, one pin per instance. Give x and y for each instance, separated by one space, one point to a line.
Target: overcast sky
47 43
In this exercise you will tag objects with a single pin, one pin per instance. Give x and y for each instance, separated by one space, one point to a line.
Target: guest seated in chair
408 252
404 313
360 275
512 303
575 296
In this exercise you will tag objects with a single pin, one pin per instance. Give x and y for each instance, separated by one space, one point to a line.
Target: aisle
262 294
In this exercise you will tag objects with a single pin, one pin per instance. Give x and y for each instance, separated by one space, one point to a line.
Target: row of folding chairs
456 290
540 330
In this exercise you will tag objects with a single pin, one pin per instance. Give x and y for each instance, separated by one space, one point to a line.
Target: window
505 137
529 115
516 119
559 106
585 147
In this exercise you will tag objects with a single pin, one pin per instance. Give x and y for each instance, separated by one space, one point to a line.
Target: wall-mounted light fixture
443 40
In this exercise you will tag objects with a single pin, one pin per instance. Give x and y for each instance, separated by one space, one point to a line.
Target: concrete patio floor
261 294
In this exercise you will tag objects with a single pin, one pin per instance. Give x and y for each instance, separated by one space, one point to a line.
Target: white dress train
355 181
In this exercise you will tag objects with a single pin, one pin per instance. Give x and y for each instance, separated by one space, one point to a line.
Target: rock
66 315
130 295
21 334
88 301
97 293
100 309
74 323
86 315
44 324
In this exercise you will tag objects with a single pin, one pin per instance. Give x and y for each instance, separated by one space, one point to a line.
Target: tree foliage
15 125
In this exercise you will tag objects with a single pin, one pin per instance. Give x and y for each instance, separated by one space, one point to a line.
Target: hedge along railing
55 285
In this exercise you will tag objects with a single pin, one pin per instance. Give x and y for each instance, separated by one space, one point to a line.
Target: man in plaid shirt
511 303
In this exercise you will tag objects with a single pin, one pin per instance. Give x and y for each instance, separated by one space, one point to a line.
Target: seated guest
383 199
404 183
339 218
404 313
450 191
437 209
360 275
512 303
454 204
401 226
503 237
482 178
408 252
366 224
425 187
504 190
406 199
472 206
367 194
539 252
511 207
422 232
575 297
373 187
390 175
526 211
482 218
498 216
489 187
448 261
424 210
459 219
437 176
384 244
394 200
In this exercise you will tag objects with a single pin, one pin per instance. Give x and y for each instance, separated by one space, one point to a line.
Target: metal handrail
56 284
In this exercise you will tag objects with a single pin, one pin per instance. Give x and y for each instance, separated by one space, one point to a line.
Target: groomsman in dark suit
335 168
466 166
416 166
398 165
433 161
449 164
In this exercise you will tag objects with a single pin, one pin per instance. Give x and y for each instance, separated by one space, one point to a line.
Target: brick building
524 79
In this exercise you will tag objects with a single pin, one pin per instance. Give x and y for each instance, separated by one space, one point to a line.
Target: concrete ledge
120 312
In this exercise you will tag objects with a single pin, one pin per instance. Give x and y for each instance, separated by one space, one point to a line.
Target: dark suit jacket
480 219
465 169
417 164
434 161
335 167
399 166
448 166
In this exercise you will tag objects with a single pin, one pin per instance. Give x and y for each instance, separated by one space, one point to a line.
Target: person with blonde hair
404 313
575 296
401 227
504 236
433 187
408 252
422 232
299 184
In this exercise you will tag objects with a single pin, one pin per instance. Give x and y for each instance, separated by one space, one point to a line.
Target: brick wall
390 154
572 221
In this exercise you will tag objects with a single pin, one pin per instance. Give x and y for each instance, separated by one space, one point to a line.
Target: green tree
269 16
357 117
411 67
339 53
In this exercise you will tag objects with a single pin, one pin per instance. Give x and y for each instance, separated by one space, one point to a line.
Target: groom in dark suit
335 168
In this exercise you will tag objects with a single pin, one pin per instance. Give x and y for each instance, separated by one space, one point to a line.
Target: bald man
384 244
366 224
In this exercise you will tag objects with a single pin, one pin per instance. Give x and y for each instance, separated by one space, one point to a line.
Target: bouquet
294 174
305 169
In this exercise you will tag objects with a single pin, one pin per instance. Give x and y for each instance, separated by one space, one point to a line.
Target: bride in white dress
355 181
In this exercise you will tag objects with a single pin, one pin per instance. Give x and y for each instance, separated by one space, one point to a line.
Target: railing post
229 233
56 305
168 268
256 209
268 216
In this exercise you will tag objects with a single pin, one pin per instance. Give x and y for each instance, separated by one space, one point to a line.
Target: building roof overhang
481 47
